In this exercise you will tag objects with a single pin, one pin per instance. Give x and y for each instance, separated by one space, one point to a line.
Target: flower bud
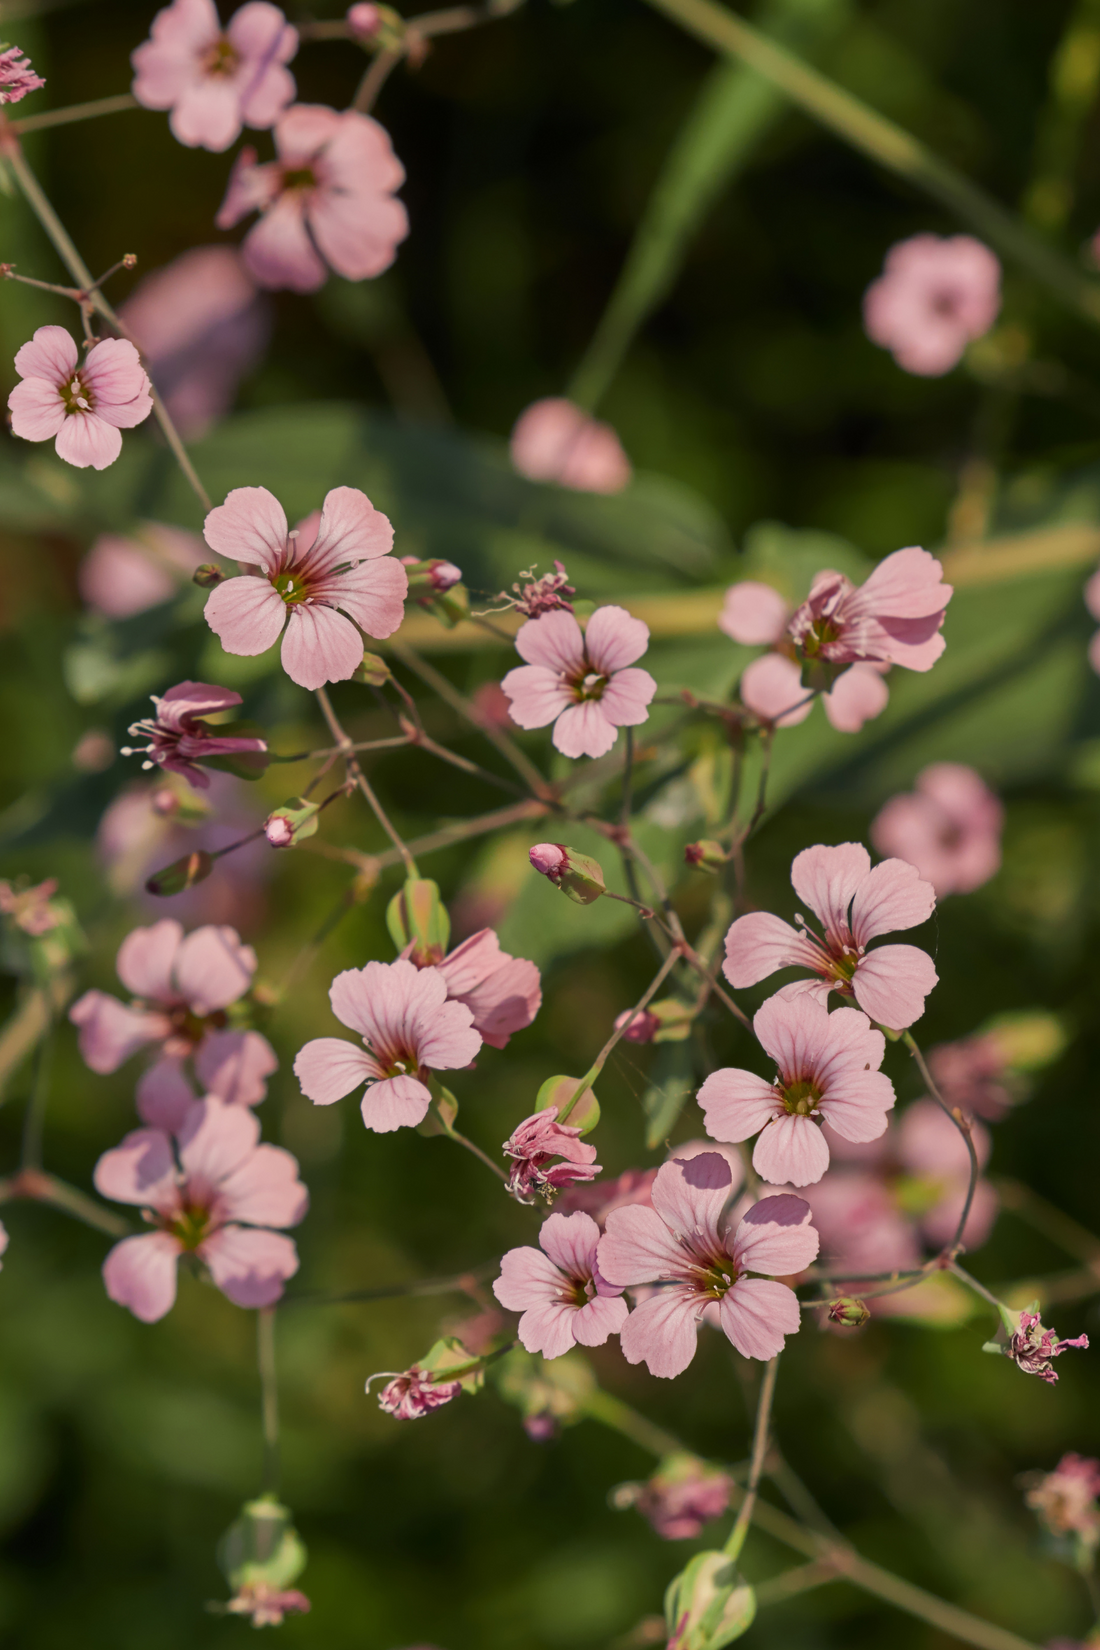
443 576
417 918
291 823
706 856
579 877
364 20
207 576
373 672
849 1312
708 1605
261 1545
182 873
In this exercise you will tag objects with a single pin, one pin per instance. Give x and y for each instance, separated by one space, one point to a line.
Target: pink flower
949 828
934 296
564 1300
182 987
364 20
407 1025
686 1243
31 909
754 614
548 858
216 81
556 441
637 1028
531 1146
771 687
503 993
415 1393
1032 1348
1065 1499
598 1199
4 1238
300 579
218 1202
854 905
267 1605
84 405
682 1496
123 576
201 325
179 739
1092 602
581 683
828 1072
893 617
971 1073
17 78
327 200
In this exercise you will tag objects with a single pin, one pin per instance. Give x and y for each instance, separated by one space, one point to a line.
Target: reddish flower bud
849 1312
706 856
207 575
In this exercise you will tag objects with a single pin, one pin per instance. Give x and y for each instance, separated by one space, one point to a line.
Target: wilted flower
17 78
557 441
414 1393
179 738
934 296
1031 1347
533 1144
31 909
539 596
681 1497
84 404
949 828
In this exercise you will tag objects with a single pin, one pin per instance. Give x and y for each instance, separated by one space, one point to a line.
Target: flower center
292 587
190 1226
76 395
821 632
800 1099
578 1292
221 59
589 686
300 177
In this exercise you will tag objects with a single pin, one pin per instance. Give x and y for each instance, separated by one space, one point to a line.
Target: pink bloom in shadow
182 987
531 1147
556 441
202 326
828 1072
564 1300
17 78
933 298
328 200
949 828
215 81
971 1073
121 576
408 1027
688 1244
855 905
503 993
300 580
214 1192
84 404
582 683
894 617
177 736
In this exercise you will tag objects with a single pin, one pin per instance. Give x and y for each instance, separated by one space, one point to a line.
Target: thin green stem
962 1123
357 777
740 1529
612 1412
462 1283
35 1119
269 1396
74 112
41 1187
619 1032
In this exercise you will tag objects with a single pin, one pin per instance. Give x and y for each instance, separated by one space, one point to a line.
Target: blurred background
767 435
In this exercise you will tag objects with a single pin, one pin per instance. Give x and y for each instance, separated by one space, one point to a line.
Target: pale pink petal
892 897
37 410
637 1247
506 1002
246 615
859 696
756 1315
584 730
251 526
250 1267
357 234
736 1103
905 585
146 959
278 252
858 1109
661 1332
537 695
51 354
775 1236
528 1278
940 1223
771 687
554 640
330 1067
85 441
141 1170
163 1096
396 1103
689 1195
929 1143
599 1318
570 1243
350 529
235 1065
114 373
140 1272
213 968
320 646
759 944
251 188
305 129
447 1039
892 982
613 639
827 879
791 1149
625 699
753 614
214 1140
264 1190
110 1031
1091 591
373 594
547 1327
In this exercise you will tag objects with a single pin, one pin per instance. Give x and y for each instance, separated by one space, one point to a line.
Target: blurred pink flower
556 441
894 617
364 20
300 579
633 1186
493 705
201 326
971 1073
637 1028
686 1244
564 1300
1092 602
327 200
121 576
414 1393
503 993
531 1146
31 909
267 1605
855 905
754 614
1032 1348
681 1497
828 1072
84 404
407 1025
17 78
215 81
771 687
581 683
182 987
4 1238
179 738
1065 1499
219 1203
949 828
934 296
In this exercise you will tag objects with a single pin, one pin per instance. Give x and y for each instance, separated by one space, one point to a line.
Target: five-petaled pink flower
894 617
687 1243
178 738
828 1072
582 683
17 78
215 81
556 441
564 1300
327 200
182 987
503 993
85 404
299 579
214 1192
408 1026
949 828
414 1393
1032 1348
531 1147
933 297
854 905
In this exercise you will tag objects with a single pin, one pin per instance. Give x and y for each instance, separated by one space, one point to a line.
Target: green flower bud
418 917
708 1605
849 1312
578 876
291 823
373 672
182 873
